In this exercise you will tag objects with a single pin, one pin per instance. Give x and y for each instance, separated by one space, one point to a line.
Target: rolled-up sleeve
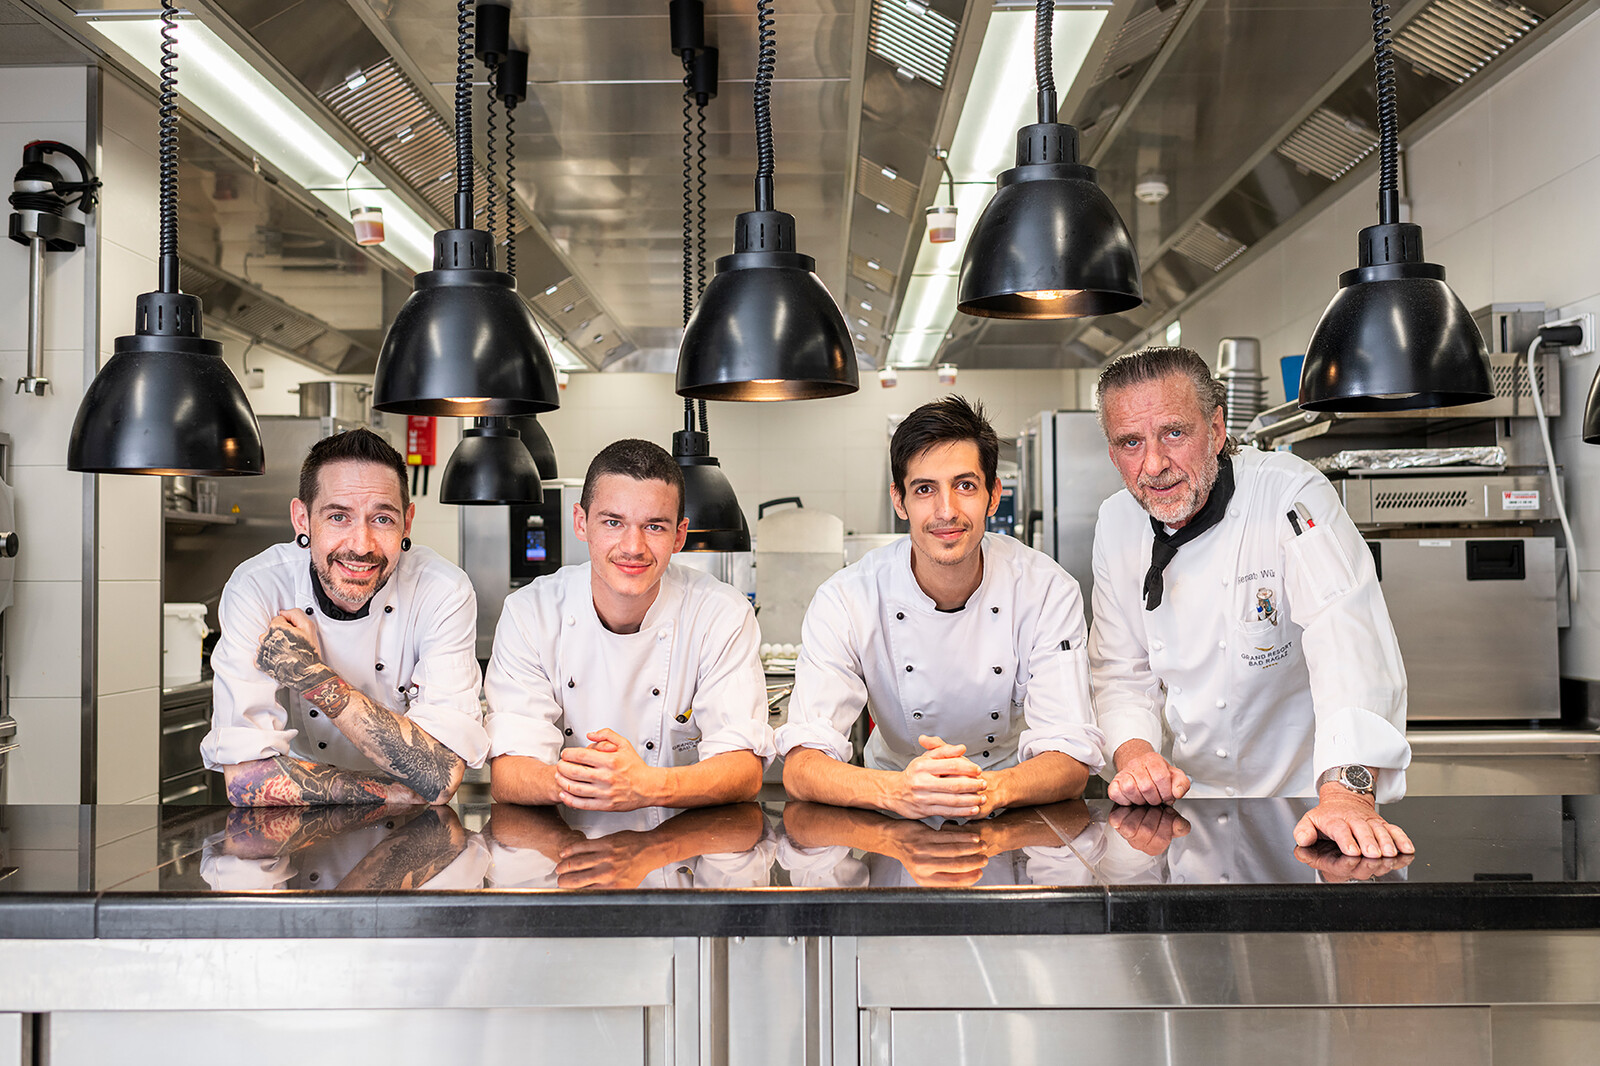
1058 710
829 688
247 723
523 712
1127 694
446 675
1358 681
730 696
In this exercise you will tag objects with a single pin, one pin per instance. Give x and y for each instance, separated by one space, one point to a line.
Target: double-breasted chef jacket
413 652
688 685
1271 657
1006 674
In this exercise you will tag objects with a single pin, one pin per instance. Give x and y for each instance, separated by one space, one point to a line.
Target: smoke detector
1151 189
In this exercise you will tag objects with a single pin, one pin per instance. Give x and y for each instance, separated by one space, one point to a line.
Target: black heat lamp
166 403
1394 337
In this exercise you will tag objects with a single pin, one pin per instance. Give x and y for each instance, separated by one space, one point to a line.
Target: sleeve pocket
1324 569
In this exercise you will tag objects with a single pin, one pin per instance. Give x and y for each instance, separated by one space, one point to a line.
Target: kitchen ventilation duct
913 38
1454 39
1139 38
1328 144
1209 246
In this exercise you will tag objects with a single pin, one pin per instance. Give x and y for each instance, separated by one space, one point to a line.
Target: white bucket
183 627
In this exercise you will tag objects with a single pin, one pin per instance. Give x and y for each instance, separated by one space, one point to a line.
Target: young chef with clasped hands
1236 604
345 671
627 682
969 648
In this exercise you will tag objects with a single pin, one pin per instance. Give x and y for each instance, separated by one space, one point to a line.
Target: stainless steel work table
796 933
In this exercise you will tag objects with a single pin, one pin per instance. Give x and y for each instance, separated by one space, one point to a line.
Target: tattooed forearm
290 659
284 782
412 855
331 696
265 832
399 747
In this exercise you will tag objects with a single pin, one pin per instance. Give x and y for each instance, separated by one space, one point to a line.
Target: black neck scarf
331 609
1165 547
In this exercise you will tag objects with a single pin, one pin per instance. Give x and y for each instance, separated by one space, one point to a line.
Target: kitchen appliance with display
1457 509
503 547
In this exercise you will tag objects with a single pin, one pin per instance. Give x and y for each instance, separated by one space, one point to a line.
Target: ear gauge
405 544
302 540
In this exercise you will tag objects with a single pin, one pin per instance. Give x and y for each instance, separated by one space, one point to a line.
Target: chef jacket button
1177 690
916 714
908 668
571 621
322 743
900 616
313 714
997 670
1183 738
1222 644
377 666
995 715
994 610
1221 704
388 608
569 732
1222 819
985 755
991 738
571 683
650 745
1233 512
1229 790
1224 582
1156 645
1222 753
399 688
655 692
313 878
311 610
662 635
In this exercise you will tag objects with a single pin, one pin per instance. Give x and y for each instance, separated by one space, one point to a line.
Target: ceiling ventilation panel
871 270
1454 39
882 185
1328 143
913 38
1209 246
1139 38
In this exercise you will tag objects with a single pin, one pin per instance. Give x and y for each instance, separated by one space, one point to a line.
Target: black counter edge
46 916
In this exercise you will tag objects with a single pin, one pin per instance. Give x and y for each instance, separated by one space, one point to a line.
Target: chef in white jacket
1241 644
627 682
345 672
969 647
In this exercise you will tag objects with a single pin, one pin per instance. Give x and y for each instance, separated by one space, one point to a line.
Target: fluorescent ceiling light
930 299
915 349
218 81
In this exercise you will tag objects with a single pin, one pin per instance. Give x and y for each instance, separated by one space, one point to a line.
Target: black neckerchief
331 609
1165 547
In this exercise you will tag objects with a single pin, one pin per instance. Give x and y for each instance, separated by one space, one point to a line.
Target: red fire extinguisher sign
421 440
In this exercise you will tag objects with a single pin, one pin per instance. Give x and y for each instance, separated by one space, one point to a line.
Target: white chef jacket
688 685
1007 675
1271 657
511 867
413 653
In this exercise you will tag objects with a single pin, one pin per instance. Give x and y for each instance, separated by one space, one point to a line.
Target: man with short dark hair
627 682
345 671
968 648
1241 644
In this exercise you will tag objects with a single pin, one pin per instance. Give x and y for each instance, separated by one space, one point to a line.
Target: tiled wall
834 454
45 624
1505 193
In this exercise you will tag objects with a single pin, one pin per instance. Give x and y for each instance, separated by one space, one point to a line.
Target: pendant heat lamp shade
166 403
537 441
1394 337
716 521
766 327
1050 244
464 343
490 465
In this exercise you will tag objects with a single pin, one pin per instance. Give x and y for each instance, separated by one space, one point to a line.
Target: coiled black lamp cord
1044 58
463 114
490 66
1388 118
511 173
167 145
766 62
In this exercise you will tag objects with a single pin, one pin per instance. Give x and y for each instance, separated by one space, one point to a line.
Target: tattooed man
345 672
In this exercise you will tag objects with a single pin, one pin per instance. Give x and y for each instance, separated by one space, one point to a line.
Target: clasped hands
943 782
608 775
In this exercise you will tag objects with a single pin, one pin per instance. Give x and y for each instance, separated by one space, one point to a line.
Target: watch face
1357 777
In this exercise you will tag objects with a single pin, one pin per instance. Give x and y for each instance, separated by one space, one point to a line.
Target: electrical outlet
1587 345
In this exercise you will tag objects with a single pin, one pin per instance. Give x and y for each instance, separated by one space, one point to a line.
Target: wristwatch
1356 778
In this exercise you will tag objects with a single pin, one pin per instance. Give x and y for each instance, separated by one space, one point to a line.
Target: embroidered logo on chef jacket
1264 658
1266 608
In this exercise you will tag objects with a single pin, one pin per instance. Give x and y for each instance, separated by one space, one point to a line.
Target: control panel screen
534 550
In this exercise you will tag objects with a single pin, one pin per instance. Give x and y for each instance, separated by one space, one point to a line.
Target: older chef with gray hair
1241 645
